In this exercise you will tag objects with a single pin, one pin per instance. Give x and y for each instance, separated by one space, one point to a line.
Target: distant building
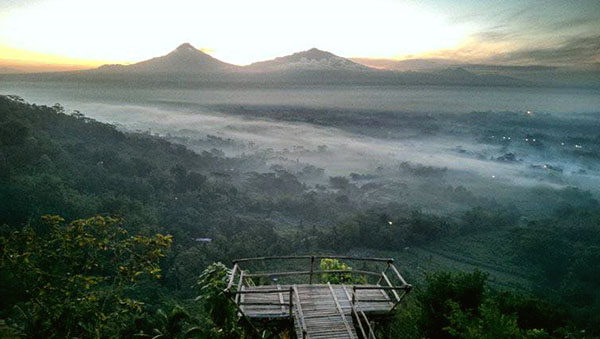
202 239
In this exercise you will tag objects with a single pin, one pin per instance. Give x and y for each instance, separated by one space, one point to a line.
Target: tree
338 278
172 325
58 108
218 306
72 280
445 294
339 182
13 133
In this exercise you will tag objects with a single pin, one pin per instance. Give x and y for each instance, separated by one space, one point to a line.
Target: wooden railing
362 322
383 283
389 280
311 271
301 320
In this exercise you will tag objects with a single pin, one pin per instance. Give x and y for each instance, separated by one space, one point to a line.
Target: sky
87 33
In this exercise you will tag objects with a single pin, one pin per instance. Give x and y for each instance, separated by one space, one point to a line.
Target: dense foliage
565 250
462 305
218 306
76 280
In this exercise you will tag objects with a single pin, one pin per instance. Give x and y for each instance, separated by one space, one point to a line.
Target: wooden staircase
319 315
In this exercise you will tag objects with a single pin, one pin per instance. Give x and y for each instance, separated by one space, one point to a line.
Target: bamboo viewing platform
284 299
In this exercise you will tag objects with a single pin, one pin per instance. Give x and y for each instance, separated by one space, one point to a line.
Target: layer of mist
439 149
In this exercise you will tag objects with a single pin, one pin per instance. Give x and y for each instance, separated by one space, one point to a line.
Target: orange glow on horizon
34 61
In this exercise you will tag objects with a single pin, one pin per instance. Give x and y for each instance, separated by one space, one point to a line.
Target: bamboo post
387 280
312 264
235 267
384 271
300 312
291 302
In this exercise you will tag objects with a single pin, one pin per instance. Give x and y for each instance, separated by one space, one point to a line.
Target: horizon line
75 64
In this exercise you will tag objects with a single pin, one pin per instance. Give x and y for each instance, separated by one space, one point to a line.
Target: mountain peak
186 46
185 59
312 59
315 53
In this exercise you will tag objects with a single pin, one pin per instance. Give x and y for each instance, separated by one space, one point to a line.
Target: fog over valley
402 144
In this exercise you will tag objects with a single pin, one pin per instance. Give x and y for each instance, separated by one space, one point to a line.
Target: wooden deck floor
325 309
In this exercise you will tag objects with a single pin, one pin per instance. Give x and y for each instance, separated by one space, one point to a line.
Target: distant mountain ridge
186 59
9 70
408 64
188 66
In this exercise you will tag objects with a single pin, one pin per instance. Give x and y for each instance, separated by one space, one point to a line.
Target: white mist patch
167 111
344 152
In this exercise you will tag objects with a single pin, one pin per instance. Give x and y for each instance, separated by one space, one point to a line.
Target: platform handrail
392 284
288 257
275 274
387 280
231 277
311 271
398 274
357 311
405 290
396 288
300 312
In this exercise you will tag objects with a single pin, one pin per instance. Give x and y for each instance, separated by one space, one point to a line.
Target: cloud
503 46
549 32
589 21
573 51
